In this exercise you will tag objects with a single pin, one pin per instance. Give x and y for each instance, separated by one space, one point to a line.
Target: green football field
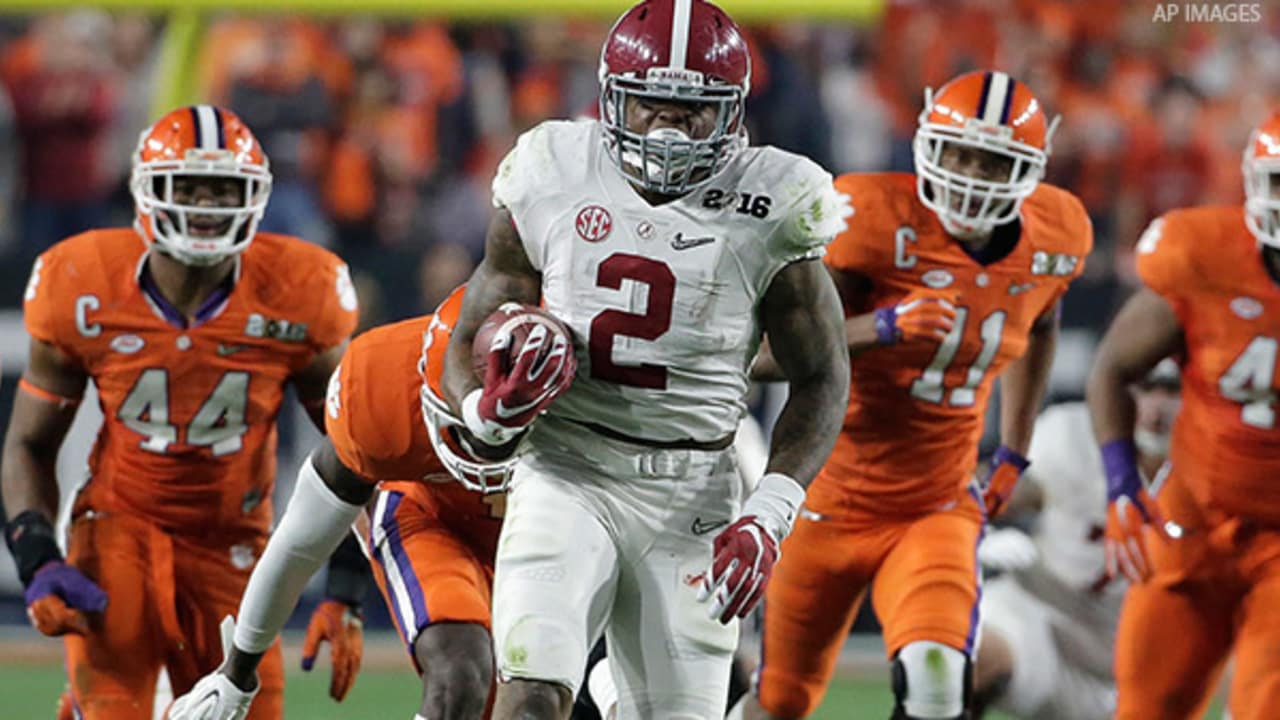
383 691
31 692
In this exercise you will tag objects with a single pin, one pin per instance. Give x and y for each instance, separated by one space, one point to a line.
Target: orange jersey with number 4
189 436
1226 444
911 431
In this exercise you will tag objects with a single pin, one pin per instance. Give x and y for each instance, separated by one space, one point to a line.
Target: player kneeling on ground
1049 622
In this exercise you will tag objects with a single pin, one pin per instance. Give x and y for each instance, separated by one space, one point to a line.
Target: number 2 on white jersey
929 387
218 424
1248 381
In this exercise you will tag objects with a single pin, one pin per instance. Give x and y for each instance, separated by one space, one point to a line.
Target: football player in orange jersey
949 278
432 540
1204 556
189 324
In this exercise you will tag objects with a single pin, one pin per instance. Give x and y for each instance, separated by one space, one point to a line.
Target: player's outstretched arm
57 595
925 314
801 313
326 500
1022 388
1145 331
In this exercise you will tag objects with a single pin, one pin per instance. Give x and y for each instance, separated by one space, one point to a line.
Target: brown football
514 321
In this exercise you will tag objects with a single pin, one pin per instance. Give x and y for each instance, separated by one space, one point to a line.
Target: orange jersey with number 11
911 431
189 436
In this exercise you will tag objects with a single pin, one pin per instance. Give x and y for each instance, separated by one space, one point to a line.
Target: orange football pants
428 569
1215 592
166 596
926 587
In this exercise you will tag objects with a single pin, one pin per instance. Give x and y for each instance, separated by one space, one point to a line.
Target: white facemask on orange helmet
464 463
1261 168
198 141
991 112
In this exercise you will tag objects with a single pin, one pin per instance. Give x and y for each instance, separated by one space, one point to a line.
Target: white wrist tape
775 503
313 525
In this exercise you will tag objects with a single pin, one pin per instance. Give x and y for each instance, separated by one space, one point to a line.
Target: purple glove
58 597
68 583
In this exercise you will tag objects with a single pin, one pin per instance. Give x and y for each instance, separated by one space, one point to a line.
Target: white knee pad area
935 680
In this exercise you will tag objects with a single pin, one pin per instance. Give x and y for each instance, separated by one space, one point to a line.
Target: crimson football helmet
674 50
201 140
1262 182
445 429
987 111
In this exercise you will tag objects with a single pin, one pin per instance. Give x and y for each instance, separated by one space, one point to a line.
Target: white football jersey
662 300
1066 464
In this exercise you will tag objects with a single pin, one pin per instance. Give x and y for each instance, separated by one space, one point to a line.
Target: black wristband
32 542
349 575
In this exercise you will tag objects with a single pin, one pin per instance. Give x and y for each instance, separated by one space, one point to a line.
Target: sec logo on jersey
594 223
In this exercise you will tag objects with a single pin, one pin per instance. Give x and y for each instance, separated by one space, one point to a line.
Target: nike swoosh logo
683 243
702 527
507 413
225 350
1019 289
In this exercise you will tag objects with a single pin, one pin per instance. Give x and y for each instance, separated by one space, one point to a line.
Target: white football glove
215 697
1007 549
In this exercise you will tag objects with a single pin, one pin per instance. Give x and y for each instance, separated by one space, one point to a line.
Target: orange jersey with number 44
911 431
1226 445
189 435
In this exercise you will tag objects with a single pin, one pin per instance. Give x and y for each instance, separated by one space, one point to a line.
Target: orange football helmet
202 141
475 472
989 111
1262 182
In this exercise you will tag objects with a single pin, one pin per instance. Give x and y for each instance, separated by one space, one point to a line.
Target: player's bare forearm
1022 387
1145 331
312 382
504 275
37 426
801 313
860 335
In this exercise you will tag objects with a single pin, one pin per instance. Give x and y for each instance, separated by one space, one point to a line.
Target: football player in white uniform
668 246
1049 622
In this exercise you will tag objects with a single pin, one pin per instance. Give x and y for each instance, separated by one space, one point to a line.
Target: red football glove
542 369
744 553
744 556
924 314
334 621
1007 465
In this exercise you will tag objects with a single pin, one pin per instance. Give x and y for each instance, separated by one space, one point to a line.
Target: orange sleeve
49 302
371 409
852 250
1164 257
331 293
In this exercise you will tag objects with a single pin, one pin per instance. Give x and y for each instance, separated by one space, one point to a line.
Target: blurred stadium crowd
383 134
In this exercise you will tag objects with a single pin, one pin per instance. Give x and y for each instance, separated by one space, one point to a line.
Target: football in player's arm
640 198
189 330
